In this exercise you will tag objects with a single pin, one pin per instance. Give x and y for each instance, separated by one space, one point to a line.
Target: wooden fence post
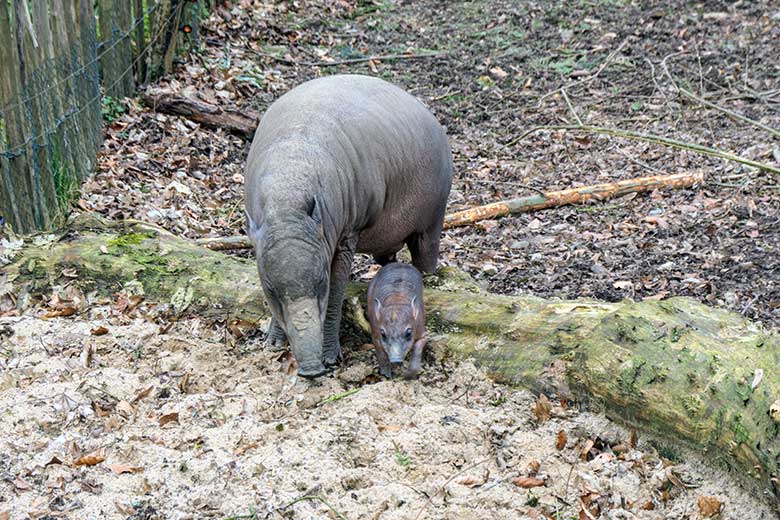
116 47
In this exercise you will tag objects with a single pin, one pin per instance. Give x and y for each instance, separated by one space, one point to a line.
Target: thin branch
666 141
316 498
731 113
571 107
593 76
690 95
380 57
453 477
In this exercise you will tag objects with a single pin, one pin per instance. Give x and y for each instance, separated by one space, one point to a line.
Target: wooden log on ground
551 199
691 374
241 123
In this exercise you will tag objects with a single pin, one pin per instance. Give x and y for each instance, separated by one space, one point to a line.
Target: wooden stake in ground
554 199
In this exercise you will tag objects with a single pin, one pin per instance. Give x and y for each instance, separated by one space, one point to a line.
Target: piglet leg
415 364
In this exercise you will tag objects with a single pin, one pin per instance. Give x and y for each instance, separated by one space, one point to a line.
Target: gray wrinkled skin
339 164
397 317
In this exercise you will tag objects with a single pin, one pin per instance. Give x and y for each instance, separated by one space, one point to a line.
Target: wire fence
58 58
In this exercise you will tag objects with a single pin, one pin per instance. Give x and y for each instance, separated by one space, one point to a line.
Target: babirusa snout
304 332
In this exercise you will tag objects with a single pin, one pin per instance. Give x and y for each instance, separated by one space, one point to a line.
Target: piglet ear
415 310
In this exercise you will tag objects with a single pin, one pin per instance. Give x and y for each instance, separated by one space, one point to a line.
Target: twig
637 136
316 498
593 76
223 243
571 107
280 59
453 477
731 113
379 57
338 397
690 95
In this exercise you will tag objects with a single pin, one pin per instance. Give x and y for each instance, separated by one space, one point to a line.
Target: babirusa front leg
276 339
339 277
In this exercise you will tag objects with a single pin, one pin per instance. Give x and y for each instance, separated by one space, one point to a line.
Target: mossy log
676 368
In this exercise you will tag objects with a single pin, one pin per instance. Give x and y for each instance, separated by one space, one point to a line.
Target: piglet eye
384 334
409 333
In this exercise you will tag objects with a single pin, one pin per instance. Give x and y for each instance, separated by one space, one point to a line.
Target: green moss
129 239
741 434
434 322
693 404
627 378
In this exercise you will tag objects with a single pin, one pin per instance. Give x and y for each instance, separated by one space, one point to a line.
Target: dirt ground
194 424
183 426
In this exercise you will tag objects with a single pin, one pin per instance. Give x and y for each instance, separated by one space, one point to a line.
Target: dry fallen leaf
124 408
757 377
542 409
124 468
143 393
472 482
287 363
5 515
560 441
243 449
469 481
585 513
185 379
586 449
169 417
388 427
85 358
709 506
533 467
99 331
21 484
54 460
528 482
64 312
91 459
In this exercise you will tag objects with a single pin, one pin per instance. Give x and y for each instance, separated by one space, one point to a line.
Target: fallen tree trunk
241 123
703 377
550 199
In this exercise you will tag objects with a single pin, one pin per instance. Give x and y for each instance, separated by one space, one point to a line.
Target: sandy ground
186 425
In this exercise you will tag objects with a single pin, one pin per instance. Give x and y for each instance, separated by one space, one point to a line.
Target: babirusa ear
253 231
415 310
315 211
